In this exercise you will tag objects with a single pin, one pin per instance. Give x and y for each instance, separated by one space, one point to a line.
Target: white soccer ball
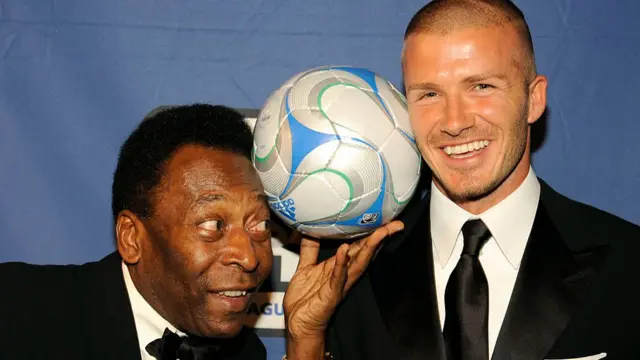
335 152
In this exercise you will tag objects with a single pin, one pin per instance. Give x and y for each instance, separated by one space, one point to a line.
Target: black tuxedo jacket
76 312
576 292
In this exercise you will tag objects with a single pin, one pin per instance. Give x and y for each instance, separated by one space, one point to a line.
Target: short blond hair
443 16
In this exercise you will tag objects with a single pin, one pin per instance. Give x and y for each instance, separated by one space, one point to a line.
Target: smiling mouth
236 293
465 150
233 293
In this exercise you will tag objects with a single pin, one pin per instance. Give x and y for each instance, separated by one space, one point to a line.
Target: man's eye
262 226
212 225
430 94
482 86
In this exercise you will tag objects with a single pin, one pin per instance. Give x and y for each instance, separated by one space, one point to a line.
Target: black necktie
172 346
467 300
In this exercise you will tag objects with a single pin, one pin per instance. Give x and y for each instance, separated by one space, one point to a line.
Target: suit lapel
551 281
409 311
110 318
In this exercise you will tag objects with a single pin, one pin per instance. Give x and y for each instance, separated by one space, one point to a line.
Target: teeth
465 148
233 293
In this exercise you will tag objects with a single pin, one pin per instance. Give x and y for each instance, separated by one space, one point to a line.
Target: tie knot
475 234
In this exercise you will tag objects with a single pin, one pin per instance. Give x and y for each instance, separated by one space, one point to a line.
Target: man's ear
130 232
537 98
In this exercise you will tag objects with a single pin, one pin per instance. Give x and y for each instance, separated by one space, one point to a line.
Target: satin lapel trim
550 284
404 288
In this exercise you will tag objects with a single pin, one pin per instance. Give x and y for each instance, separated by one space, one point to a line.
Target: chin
465 195
223 329
468 189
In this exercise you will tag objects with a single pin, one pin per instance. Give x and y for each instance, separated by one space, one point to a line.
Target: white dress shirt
510 223
149 324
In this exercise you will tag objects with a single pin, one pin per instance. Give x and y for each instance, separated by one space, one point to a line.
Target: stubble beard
475 189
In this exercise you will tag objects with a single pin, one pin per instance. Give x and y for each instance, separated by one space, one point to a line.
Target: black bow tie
172 346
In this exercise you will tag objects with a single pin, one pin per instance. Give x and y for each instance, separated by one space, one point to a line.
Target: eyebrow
423 86
469 80
483 77
211 198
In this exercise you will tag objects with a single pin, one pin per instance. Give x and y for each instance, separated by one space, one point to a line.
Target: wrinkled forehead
197 169
476 49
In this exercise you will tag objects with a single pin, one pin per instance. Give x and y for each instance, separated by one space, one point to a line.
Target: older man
193 244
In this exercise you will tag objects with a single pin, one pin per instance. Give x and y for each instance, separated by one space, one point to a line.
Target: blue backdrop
76 76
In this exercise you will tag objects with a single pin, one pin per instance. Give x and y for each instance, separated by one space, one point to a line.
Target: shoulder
22 274
578 220
40 287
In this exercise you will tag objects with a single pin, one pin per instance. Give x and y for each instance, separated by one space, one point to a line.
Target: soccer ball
335 152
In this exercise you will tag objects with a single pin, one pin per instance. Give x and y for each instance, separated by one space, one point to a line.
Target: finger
336 283
377 236
360 260
309 250
367 248
331 291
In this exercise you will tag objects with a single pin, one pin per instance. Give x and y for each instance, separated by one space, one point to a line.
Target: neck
146 291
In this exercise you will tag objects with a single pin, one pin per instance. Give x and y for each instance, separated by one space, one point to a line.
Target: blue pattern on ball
303 141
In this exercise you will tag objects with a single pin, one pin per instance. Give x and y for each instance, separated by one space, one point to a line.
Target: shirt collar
510 221
149 324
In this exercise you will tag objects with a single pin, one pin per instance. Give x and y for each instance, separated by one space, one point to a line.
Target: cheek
499 119
489 108
200 257
192 257
502 112
422 119
265 255
201 270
